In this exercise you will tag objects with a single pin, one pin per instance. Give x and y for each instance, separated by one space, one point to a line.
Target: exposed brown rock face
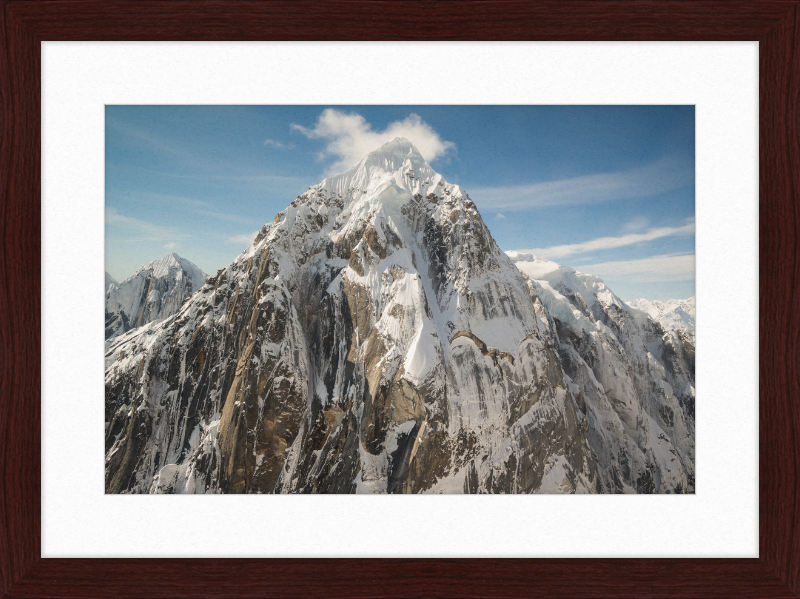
372 339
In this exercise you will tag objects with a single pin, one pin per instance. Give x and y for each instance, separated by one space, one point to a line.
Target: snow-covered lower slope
634 381
372 339
674 314
153 293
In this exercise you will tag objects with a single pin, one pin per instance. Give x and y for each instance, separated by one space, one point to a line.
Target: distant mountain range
154 292
673 314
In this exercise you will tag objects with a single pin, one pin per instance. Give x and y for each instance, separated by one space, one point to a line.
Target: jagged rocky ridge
153 293
674 314
632 379
110 281
374 338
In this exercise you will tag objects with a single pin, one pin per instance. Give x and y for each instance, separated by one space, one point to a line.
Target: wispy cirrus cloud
661 176
197 165
636 224
665 267
205 208
279 145
134 229
243 239
224 179
350 137
153 141
196 206
607 243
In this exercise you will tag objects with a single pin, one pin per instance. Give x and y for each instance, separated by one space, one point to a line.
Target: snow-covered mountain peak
154 292
390 211
534 266
110 281
172 262
562 281
392 195
395 154
674 314
390 175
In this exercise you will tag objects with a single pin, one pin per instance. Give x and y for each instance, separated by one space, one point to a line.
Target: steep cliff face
633 380
153 293
372 339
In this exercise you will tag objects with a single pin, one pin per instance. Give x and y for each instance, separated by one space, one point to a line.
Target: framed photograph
565 165
389 330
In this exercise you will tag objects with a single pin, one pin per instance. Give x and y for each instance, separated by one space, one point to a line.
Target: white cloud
637 224
134 229
193 205
244 239
500 215
222 180
606 243
196 164
272 143
659 177
170 245
350 137
153 141
666 267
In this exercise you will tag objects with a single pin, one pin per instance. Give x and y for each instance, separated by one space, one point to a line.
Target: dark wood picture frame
774 24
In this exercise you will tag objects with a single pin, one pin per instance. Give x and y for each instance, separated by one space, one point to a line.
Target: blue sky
605 189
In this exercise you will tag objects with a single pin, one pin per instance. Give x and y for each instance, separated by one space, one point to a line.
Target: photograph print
400 299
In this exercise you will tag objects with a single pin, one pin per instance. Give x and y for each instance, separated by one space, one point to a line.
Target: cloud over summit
350 137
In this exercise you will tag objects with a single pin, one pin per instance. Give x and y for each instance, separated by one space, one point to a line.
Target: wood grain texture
775 24
779 300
